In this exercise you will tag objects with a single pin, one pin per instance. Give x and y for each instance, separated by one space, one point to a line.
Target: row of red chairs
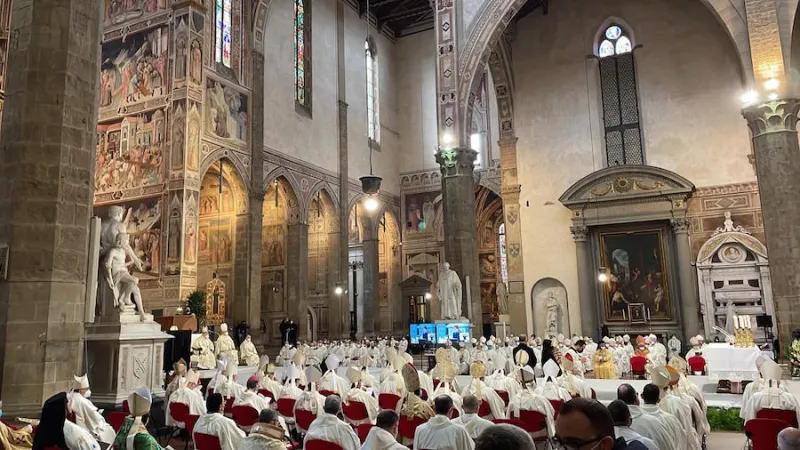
763 430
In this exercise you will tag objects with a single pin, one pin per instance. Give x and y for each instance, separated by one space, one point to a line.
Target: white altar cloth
725 362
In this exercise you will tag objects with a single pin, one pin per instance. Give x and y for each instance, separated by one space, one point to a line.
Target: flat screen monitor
455 331
422 333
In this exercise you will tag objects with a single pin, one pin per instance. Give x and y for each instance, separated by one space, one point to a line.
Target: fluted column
586 279
513 228
460 228
777 161
690 317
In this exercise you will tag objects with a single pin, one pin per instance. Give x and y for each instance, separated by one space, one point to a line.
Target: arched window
302 53
223 32
620 98
373 106
501 236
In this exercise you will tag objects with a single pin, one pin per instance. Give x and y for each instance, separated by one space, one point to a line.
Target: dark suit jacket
522 347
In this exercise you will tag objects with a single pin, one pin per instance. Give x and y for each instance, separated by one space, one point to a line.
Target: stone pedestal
122 356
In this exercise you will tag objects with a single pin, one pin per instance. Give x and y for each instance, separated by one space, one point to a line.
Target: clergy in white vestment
411 406
443 370
757 385
332 381
591 347
268 382
328 427
251 397
310 399
576 386
664 377
500 382
447 376
391 356
771 396
621 415
551 389
440 433
478 388
359 394
367 380
215 424
55 430
697 346
189 393
528 400
464 358
178 373
658 352
393 382
266 434
645 424
228 385
87 415
452 353
469 419
383 436
691 394
651 396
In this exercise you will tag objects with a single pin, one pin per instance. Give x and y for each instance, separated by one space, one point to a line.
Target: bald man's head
789 439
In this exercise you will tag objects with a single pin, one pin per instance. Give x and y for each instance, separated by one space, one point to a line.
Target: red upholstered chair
354 412
388 401
557 404
453 413
423 394
319 444
516 422
534 422
637 365
286 409
116 419
363 430
303 418
191 421
407 426
436 382
484 410
784 415
204 441
763 433
266 393
504 396
229 405
125 408
697 364
245 416
179 411
326 393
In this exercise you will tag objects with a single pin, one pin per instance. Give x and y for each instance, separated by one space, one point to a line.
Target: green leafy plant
196 301
724 419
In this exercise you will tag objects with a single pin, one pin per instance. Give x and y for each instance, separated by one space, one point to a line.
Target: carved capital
774 116
456 162
579 233
680 226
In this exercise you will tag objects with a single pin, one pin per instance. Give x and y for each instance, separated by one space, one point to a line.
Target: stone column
513 227
686 273
335 312
256 217
586 279
47 165
460 228
297 276
777 159
344 181
371 289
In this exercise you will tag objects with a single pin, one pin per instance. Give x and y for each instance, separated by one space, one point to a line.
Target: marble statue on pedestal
203 349
449 291
248 353
553 326
502 297
225 346
124 286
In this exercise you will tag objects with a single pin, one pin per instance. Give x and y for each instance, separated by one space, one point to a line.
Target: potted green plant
196 302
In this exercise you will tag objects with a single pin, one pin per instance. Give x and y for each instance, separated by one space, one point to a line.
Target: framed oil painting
637 274
637 313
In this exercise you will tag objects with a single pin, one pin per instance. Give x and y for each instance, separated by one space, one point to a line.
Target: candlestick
747 322
735 321
623 315
648 314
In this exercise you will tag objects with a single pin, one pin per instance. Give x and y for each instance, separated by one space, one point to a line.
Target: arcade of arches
533 145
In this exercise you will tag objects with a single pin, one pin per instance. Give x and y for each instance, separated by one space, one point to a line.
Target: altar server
189 394
771 396
478 388
551 389
528 400
358 394
86 414
215 424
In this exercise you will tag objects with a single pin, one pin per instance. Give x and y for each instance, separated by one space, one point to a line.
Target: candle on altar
648 314
623 315
747 321
735 321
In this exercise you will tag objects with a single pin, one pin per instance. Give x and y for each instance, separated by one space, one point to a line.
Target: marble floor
726 441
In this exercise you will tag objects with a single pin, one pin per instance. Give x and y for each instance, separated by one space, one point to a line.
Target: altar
726 362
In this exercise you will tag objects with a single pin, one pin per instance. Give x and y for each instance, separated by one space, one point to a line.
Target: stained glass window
223 15
300 51
501 235
373 107
623 137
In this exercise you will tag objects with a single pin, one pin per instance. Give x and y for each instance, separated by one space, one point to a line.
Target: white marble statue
449 291
124 286
502 297
553 327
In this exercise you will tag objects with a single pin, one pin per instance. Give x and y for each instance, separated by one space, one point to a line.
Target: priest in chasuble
133 434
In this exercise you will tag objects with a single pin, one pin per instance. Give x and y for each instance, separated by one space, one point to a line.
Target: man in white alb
87 415
189 393
216 424
644 423
439 432
470 419
328 427
622 425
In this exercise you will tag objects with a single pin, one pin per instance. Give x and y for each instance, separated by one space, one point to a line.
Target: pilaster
461 234
513 229
255 212
690 313
777 161
586 279
46 164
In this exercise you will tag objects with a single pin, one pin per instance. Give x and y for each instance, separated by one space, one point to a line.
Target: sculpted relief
226 112
549 306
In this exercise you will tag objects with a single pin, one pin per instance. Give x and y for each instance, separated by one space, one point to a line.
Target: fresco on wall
215 243
354 226
226 111
178 135
118 11
133 70
130 152
272 245
193 150
420 212
142 219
